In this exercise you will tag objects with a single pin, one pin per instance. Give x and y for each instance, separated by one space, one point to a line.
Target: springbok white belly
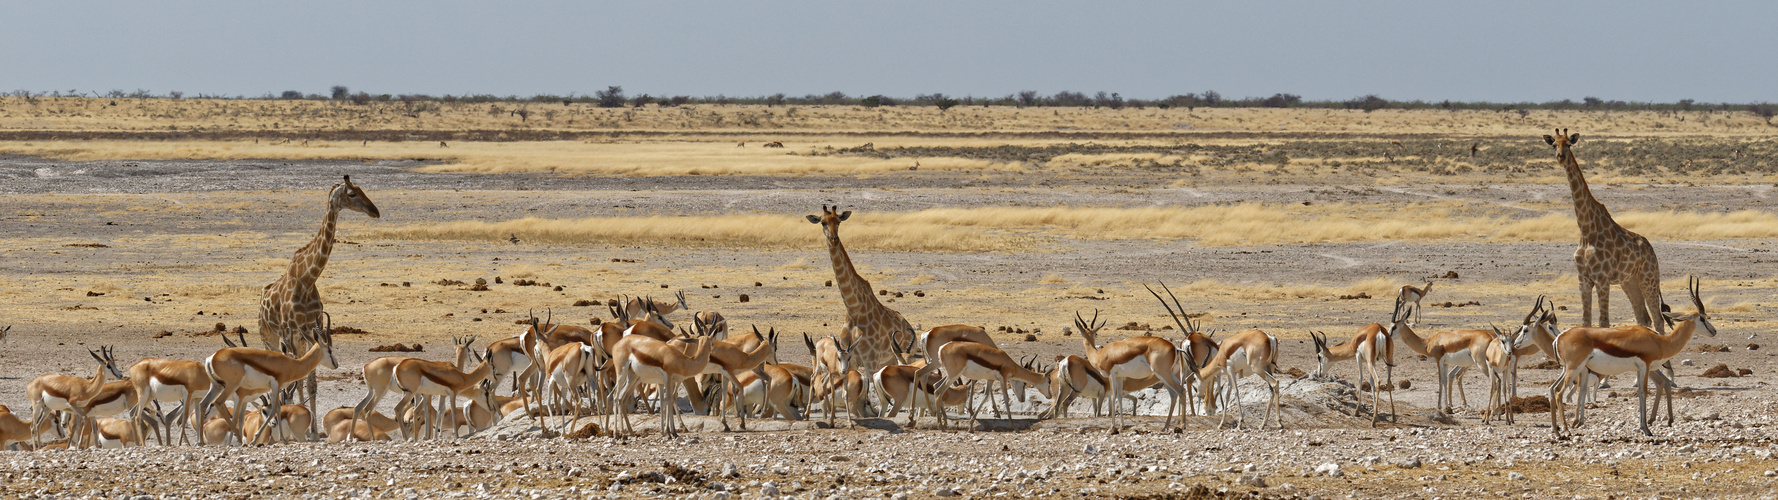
1239 365
166 393
518 360
429 388
112 408
1608 365
754 393
1134 368
55 403
973 371
644 374
256 382
1460 359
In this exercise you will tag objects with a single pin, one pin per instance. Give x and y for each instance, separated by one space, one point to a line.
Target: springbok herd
876 366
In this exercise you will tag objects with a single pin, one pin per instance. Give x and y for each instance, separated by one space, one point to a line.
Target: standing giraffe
1608 253
879 325
292 304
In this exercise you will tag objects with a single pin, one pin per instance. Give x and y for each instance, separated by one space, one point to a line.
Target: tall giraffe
879 324
1608 253
292 304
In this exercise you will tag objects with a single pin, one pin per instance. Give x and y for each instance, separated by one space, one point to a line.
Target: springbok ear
814 219
845 215
1549 139
1573 139
348 180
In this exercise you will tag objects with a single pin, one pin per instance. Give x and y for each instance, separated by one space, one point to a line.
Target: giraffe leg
1651 293
1586 299
1638 306
1603 291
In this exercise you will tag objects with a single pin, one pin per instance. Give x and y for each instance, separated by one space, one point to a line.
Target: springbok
1611 351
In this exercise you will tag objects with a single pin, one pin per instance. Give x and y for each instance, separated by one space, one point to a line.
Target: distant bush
1367 103
340 92
291 94
1282 101
611 97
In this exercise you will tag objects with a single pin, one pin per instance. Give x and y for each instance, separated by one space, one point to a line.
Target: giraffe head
830 222
1561 141
1703 319
349 197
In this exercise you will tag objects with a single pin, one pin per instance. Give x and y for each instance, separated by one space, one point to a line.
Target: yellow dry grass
1214 288
1258 224
1015 228
206 115
741 231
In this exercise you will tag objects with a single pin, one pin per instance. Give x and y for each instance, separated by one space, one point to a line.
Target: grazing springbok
1370 346
61 393
1250 352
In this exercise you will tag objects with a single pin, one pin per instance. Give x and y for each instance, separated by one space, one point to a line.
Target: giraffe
880 325
1608 253
292 304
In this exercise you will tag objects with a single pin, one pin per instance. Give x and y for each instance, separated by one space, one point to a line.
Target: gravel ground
1722 445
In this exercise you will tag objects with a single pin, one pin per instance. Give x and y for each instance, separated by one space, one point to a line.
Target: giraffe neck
1588 212
855 291
312 258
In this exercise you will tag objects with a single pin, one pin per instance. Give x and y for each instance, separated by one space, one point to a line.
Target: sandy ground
188 245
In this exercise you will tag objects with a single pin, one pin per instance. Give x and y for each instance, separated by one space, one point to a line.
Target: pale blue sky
1493 51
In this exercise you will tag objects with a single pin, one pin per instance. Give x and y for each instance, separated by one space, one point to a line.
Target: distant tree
944 103
362 98
681 100
291 94
1028 98
1367 103
176 94
1686 104
775 99
641 100
874 101
1764 110
611 97
1281 101
340 92
1210 98
1067 98
1112 100
1592 102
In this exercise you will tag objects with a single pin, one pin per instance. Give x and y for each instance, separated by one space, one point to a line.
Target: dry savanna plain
145 224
